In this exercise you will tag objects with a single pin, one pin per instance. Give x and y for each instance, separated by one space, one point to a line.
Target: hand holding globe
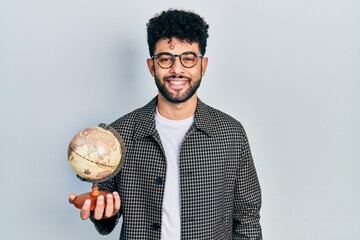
96 154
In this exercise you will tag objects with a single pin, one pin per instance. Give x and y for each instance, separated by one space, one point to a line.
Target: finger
117 202
99 208
85 210
72 196
109 210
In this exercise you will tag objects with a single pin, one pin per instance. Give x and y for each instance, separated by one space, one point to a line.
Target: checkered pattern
220 192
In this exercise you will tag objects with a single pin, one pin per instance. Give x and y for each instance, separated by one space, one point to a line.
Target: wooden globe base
79 200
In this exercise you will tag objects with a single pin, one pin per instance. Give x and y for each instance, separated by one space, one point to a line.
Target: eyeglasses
166 60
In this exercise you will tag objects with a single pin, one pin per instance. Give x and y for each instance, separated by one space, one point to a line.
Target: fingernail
101 197
87 202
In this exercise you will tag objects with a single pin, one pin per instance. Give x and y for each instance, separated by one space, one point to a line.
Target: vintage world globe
96 153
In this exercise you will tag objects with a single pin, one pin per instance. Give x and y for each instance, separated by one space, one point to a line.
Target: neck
176 111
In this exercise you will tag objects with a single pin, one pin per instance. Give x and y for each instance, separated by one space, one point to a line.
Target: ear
204 64
151 67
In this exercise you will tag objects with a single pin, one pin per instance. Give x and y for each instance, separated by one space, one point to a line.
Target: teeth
177 82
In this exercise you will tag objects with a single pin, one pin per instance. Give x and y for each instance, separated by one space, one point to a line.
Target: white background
288 70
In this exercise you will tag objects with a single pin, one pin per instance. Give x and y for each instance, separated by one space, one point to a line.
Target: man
188 171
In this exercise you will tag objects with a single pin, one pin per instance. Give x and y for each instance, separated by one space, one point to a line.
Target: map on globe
95 153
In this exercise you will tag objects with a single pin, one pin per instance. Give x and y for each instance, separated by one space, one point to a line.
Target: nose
177 68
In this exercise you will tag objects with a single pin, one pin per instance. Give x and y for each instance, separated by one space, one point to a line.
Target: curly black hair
183 25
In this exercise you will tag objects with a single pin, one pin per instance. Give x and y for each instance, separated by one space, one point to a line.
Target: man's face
177 83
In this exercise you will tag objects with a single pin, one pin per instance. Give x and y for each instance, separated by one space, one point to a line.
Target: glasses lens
165 60
188 59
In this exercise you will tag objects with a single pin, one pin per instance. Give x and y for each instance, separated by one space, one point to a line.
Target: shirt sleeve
106 226
247 197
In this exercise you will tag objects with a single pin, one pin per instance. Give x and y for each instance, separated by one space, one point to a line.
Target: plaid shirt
220 192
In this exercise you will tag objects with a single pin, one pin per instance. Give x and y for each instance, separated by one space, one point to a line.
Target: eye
189 57
164 58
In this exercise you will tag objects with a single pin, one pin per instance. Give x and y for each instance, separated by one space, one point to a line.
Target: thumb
72 196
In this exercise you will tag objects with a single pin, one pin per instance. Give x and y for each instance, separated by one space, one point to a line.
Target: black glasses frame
174 56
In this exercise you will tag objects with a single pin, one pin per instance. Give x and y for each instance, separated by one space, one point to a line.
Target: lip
177 83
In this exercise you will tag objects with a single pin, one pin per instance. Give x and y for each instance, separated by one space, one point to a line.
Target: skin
111 209
177 87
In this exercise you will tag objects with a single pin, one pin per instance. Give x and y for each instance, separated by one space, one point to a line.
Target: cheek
198 73
159 74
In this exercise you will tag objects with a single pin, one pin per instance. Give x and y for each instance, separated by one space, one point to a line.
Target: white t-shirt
172 133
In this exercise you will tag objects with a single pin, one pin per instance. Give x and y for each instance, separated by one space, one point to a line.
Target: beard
177 97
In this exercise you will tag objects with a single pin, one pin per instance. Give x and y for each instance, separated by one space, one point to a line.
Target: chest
204 161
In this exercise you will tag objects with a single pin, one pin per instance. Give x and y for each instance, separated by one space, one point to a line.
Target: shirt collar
145 125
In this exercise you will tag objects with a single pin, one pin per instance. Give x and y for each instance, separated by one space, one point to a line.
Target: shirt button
159 181
155 226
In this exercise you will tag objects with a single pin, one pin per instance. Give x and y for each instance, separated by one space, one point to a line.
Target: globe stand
92 196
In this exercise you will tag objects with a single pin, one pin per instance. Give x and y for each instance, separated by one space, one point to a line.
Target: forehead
175 46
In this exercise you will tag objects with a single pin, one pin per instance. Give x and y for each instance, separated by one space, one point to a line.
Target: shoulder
224 118
219 121
127 119
222 127
140 120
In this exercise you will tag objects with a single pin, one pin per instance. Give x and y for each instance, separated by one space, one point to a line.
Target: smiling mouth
177 84
177 81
